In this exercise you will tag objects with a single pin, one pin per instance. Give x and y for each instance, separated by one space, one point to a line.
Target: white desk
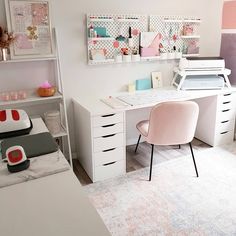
48 206
101 130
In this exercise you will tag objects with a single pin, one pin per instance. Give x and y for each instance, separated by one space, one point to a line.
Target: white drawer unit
217 113
101 143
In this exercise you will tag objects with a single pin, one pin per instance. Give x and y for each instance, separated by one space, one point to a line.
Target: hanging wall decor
30 23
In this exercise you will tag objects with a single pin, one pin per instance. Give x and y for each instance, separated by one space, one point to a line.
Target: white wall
81 80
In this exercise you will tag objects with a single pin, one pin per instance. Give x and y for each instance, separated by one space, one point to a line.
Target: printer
201 73
202 63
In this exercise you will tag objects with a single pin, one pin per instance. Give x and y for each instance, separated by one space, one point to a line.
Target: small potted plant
6 39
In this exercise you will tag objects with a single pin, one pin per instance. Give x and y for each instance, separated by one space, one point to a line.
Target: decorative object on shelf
130 39
157 79
53 121
187 30
6 39
33 31
46 90
97 54
192 47
149 43
13 96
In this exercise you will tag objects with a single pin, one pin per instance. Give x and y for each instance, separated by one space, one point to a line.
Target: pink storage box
148 52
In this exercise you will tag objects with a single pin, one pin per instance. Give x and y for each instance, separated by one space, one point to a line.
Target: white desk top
96 107
53 205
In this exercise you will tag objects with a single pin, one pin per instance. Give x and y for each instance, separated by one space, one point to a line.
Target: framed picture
156 79
30 23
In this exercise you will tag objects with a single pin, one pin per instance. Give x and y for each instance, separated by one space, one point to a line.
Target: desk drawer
108 156
108 142
109 170
108 129
225 114
108 119
225 98
224 137
226 125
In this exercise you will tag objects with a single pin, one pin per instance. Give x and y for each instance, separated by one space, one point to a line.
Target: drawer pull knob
108 150
224 132
105 126
108 115
226 110
110 163
225 121
227 94
226 102
107 136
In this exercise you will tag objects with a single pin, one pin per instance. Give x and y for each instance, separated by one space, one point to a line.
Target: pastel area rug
175 202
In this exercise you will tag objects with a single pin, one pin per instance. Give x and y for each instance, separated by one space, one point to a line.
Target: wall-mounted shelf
102 39
101 20
192 20
172 20
191 55
127 20
190 36
169 27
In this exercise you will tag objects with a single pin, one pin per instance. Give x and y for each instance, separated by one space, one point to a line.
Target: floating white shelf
32 98
191 55
101 20
190 36
172 20
127 20
102 39
156 58
100 62
192 21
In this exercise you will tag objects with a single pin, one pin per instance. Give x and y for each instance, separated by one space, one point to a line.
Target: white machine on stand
201 73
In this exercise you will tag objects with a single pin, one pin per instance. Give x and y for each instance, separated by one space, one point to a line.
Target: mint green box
142 84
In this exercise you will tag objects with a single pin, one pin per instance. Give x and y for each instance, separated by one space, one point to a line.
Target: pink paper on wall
229 15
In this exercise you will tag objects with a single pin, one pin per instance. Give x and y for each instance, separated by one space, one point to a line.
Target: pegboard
170 27
115 25
174 32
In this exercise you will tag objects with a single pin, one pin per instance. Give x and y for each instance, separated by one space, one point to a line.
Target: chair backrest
173 123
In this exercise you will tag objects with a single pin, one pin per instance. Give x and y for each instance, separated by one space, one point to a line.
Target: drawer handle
224 132
108 115
107 136
108 150
110 163
226 110
226 102
227 94
105 126
225 121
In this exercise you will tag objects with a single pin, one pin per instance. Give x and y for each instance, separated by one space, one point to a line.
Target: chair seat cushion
143 126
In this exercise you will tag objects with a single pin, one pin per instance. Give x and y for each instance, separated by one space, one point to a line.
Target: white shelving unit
27 75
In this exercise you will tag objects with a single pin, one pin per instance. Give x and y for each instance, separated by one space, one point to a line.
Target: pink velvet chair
170 123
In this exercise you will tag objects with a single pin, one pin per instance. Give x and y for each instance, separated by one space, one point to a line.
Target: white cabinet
216 119
100 142
27 75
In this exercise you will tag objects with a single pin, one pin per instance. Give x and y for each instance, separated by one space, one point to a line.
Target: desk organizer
112 33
